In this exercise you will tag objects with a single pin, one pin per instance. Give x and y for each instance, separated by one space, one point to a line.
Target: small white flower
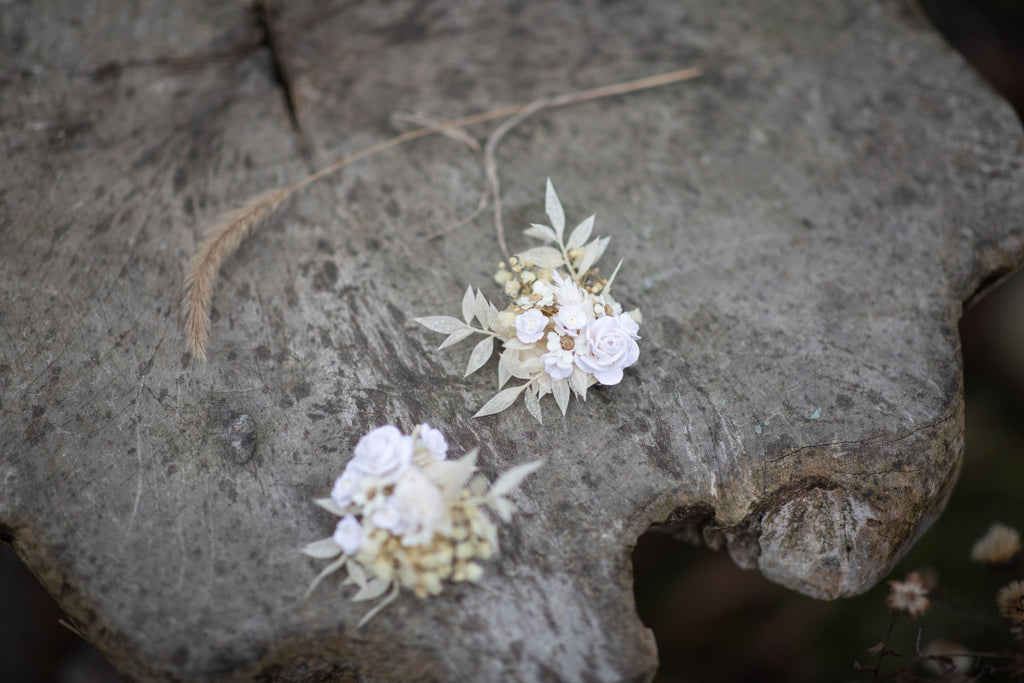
558 360
530 326
609 348
434 441
420 504
571 317
605 305
385 453
567 292
349 535
388 517
545 291
346 486
630 326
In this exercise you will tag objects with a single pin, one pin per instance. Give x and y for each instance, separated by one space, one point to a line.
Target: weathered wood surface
800 227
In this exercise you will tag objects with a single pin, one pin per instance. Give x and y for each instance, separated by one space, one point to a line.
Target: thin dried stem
224 237
456 134
491 166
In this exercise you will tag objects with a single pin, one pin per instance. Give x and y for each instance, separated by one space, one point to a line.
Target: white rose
609 348
558 360
571 317
420 504
385 453
349 535
346 486
434 441
530 326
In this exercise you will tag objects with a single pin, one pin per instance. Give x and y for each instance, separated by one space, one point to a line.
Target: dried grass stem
224 237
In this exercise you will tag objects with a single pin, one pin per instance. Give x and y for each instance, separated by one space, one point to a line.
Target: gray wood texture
801 227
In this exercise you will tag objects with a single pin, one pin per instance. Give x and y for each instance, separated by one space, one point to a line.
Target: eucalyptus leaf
445 324
375 588
517 345
380 605
324 549
356 574
580 234
455 337
493 316
327 571
480 308
533 405
542 257
481 353
468 305
591 253
500 401
553 207
332 507
560 389
541 232
504 375
578 383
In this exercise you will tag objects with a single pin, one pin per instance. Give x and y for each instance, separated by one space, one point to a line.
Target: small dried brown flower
909 596
998 546
1010 599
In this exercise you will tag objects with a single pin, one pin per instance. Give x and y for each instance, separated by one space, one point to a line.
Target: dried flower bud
1010 599
998 546
909 596
503 277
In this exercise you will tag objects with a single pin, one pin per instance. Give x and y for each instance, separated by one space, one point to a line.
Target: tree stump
801 227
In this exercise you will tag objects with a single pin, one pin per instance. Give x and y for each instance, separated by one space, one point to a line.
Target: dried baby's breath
999 545
410 517
561 332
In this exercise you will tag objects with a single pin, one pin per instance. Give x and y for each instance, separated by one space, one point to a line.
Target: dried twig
233 227
491 166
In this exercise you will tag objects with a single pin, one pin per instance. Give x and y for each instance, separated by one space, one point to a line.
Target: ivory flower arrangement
410 517
562 331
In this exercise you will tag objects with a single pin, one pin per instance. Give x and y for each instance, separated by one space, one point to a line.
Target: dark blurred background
713 621
716 622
